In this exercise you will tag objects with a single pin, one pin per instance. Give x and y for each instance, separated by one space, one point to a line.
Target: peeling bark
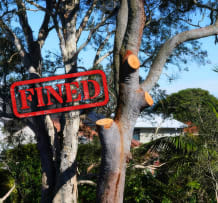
66 188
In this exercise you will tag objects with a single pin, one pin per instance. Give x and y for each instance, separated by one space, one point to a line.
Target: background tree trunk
66 185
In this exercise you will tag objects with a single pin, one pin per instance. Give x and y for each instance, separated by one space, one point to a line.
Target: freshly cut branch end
133 61
105 122
148 99
126 55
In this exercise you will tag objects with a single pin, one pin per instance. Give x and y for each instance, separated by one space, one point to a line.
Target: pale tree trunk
216 192
66 185
59 182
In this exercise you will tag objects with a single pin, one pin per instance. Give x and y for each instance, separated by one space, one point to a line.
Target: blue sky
198 76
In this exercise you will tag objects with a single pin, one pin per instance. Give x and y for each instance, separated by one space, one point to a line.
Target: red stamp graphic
59 93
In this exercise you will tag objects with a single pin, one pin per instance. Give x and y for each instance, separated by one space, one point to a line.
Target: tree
116 134
68 18
200 108
59 183
192 105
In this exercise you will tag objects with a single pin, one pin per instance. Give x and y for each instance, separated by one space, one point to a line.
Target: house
22 136
153 126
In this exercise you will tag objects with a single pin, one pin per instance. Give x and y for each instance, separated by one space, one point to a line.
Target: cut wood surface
133 61
127 53
148 99
106 122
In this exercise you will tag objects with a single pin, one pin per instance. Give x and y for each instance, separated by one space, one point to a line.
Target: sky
198 76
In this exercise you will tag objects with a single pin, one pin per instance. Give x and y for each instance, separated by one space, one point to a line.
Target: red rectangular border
63 109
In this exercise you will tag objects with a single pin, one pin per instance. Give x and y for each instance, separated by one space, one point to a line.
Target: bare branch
38 6
186 21
152 167
60 35
82 68
102 58
94 30
149 14
91 167
14 37
7 194
204 6
44 30
88 182
146 60
100 48
12 56
24 22
7 12
85 20
167 48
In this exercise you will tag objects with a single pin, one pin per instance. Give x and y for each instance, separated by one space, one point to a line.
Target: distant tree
194 105
193 157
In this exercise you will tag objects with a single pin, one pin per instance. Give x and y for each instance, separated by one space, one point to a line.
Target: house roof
158 121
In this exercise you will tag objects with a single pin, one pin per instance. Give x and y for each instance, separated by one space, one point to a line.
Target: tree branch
7 194
60 35
85 20
24 22
152 167
100 48
102 58
94 30
189 23
167 48
44 30
149 17
6 115
15 39
88 182
37 6
204 6
122 19
136 23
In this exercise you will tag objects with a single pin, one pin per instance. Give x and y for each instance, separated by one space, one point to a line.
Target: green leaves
24 165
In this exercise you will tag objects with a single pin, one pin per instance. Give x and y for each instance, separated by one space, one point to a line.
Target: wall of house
145 135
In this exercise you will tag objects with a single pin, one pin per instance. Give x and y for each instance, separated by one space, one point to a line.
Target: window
136 134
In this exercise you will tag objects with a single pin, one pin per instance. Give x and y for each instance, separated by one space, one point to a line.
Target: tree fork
116 140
